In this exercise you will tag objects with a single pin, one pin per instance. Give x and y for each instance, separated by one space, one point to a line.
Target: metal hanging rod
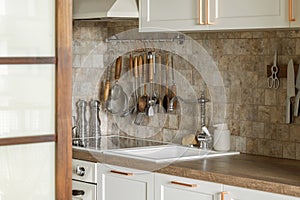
179 39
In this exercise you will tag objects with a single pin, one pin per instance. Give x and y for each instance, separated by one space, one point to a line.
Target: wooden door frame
63 181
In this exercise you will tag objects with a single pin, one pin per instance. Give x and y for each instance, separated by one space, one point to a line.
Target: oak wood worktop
268 174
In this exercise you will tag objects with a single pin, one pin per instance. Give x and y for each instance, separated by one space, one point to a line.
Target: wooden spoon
107 86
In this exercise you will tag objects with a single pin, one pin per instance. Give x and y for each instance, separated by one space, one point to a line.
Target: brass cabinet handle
291 18
122 173
223 195
184 184
206 11
199 12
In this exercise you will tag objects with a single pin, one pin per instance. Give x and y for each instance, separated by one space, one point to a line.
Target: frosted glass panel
27 100
27 172
27 27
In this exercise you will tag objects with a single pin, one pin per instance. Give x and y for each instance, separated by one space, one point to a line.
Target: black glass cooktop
114 142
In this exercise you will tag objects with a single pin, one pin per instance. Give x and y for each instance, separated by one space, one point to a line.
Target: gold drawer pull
206 11
223 195
122 173
291 18
184 184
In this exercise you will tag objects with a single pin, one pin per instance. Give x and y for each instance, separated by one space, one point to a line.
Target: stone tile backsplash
255 114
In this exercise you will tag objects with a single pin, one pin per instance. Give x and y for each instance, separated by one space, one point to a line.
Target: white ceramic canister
221 138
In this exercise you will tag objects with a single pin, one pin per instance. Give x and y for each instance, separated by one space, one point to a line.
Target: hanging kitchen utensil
290 92
297 99
107 85
166 97
142 103
151 102
117 101
145 96
173 88
159 81
273 81
132 101
116 89
136 75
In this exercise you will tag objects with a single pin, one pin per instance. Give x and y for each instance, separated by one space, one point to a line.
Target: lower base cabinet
238 193
111 182
177 188
124 183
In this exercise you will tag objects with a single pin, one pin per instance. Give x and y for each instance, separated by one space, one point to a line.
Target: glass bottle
82 122
95 122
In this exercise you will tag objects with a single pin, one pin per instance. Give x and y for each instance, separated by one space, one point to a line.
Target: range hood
104 9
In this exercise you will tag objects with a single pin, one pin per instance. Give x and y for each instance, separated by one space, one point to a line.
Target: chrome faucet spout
171 106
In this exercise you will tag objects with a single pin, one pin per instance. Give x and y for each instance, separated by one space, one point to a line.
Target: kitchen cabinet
124 183
239 193
175 15
177 188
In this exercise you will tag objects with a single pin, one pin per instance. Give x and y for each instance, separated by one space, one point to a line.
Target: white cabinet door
177 15
244 14
238 193
295 13
157 15
124 183
177 188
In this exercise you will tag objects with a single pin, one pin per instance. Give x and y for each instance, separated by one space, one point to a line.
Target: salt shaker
95 122
82 122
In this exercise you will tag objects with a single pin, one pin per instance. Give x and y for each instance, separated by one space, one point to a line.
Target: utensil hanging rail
179 39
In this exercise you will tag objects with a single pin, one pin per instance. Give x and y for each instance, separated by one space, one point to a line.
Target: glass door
35 99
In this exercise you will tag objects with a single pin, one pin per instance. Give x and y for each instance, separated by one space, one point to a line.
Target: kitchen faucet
204 138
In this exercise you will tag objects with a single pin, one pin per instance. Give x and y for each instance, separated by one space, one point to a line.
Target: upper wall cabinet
176 15
27 28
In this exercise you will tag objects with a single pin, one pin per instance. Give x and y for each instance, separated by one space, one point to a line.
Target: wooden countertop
268 174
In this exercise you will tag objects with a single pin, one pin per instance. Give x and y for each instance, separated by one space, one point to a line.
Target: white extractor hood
102 9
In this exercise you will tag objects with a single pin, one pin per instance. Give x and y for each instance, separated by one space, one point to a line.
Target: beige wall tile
298 47
240 144
295 133
252 146
289 150
258 130
246 128
273 148
254 113
298 151
270 97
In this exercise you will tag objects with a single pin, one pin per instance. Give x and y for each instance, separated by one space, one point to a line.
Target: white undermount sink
166 153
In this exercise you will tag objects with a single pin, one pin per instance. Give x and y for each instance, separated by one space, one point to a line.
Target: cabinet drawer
239 193
125 183
84 171
83 191
169 187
